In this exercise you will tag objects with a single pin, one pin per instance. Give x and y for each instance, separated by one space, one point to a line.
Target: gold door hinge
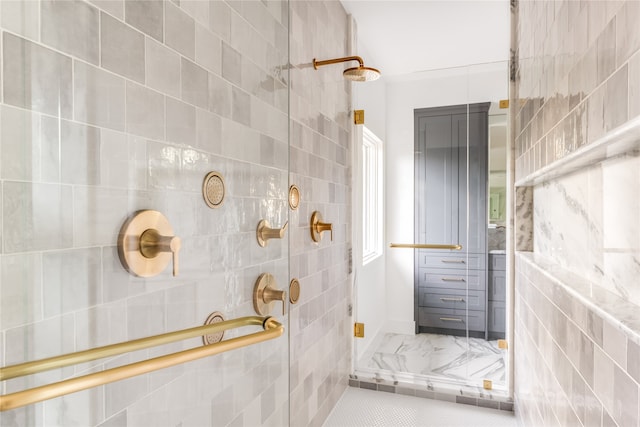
504 103
487 384
358 117
358 330
503 344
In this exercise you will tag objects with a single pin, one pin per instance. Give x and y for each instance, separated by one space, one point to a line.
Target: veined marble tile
433 355
588 223
568 222
524 220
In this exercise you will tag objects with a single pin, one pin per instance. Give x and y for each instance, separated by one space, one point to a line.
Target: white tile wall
572 359
114 106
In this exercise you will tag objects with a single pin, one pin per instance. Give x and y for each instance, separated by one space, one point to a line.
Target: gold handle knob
146 244
317 227
264 232
265 293
271 295
324 226
153 243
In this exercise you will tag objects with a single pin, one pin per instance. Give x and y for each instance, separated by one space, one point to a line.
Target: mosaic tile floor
438 356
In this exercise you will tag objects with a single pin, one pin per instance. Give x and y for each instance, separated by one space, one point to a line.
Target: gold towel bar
272 329
425 246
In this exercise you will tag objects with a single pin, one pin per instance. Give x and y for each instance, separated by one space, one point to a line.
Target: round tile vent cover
214 317
213 189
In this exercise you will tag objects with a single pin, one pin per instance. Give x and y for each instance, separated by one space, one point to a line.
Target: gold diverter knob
317 227
265 294
146 244
264 232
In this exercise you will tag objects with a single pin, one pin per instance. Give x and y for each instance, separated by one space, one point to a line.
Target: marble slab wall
589 223
497 238
577 75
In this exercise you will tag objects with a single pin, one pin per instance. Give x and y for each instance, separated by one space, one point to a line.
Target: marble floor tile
439 356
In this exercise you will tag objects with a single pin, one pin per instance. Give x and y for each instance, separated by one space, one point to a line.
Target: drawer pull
452 299
451 319
452 279
453 261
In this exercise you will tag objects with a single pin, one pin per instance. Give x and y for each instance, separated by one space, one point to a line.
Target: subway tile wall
577 79
321 166
577 76
113 106
576 365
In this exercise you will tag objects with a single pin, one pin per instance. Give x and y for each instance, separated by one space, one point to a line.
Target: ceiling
403 37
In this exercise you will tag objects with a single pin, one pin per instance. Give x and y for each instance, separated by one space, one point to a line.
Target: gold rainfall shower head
355 74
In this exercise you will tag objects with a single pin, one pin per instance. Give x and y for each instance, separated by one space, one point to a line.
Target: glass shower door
452 344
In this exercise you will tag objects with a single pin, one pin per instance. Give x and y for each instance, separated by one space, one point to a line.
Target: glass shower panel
110 108
454 343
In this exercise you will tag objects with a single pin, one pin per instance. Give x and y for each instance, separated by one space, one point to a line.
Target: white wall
479 83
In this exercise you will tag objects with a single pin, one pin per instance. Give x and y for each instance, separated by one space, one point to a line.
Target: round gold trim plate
214 317
261 225
294 197
264 281
213 189
129 243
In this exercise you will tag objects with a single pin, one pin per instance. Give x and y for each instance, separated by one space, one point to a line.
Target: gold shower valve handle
147 244
317 227
265 294
153 243
264 232
270 295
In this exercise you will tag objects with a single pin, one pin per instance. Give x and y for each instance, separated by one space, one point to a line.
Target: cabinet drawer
497 285
447 260
452 299
451 319
453 279
497 262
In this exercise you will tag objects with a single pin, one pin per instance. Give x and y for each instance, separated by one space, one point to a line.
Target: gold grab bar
425 246
272 329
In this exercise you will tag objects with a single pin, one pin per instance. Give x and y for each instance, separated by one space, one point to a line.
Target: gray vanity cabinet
497 296
450 286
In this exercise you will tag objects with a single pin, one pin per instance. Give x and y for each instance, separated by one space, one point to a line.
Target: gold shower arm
425 246
272 329
317 63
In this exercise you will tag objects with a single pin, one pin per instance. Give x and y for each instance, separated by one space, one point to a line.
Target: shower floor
437 356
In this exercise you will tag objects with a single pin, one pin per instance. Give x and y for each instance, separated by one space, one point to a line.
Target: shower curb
461 395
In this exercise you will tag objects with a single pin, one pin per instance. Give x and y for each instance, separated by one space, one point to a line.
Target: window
371 196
